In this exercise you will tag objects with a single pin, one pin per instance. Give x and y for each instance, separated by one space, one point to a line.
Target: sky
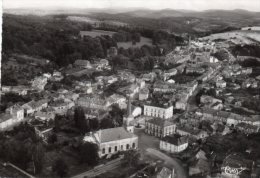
251 5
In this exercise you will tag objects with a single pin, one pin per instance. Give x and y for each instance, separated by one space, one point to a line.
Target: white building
112 140
174 143
13 115
144 94
156 111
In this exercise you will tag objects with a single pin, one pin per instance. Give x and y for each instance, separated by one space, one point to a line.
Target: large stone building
94 102
164 112
112 140
174 143
159 127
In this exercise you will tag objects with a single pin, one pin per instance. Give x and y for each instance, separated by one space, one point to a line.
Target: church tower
128 118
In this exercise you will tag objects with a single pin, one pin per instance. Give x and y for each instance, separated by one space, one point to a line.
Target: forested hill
57 39
51 38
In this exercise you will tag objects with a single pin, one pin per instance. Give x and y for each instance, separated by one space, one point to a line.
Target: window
127 146
109 149
122 147
103 151
115 148
133 145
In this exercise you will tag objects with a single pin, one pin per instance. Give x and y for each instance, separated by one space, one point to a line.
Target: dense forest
58 40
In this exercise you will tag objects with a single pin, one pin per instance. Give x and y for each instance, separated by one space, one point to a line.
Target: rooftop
113 134
160 122
175 139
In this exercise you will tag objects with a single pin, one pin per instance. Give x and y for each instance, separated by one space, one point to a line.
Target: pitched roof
160 122
5 117
175 139
113 134
164 173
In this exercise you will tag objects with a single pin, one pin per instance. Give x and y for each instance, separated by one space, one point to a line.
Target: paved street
100 170
181 173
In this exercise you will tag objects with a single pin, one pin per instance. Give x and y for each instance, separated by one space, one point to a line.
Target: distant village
181 111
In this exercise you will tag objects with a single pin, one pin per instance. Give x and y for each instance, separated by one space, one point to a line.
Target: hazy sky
253 5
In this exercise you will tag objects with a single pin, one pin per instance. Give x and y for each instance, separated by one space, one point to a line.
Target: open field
125 45
255 28
95 33
144 41
95 22
237 37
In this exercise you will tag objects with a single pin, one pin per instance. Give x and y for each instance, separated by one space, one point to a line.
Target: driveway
180 172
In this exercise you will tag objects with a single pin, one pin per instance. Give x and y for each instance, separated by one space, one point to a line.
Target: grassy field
95 33
144 41
96 22
237 37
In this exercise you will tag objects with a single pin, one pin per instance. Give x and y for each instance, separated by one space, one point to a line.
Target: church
116 139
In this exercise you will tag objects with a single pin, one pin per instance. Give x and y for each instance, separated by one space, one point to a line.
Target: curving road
180 172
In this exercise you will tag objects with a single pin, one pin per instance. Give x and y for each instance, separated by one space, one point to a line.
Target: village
195 114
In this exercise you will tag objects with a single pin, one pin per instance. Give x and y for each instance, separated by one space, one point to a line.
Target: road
101 169
180 172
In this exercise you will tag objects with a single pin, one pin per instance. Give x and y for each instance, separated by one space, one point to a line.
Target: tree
52 138
57 123
132 158
107 123
80 120
88 153
94 124
60 167
38 158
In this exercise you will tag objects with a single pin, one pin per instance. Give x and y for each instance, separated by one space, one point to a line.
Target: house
45 114
165 111
247 128
57 76
221 84
166 173
149 77
12 116
101 64
94 101
213 59
16 111
62 106
200 167
20 89
129 90
192 132
6 121
159 127
117 99
174 143
124 75
164 87
194 70
143 94
181 104
112 140
39 83
71 96
211 102
136 111
167 74
34 106
85 64
91 113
